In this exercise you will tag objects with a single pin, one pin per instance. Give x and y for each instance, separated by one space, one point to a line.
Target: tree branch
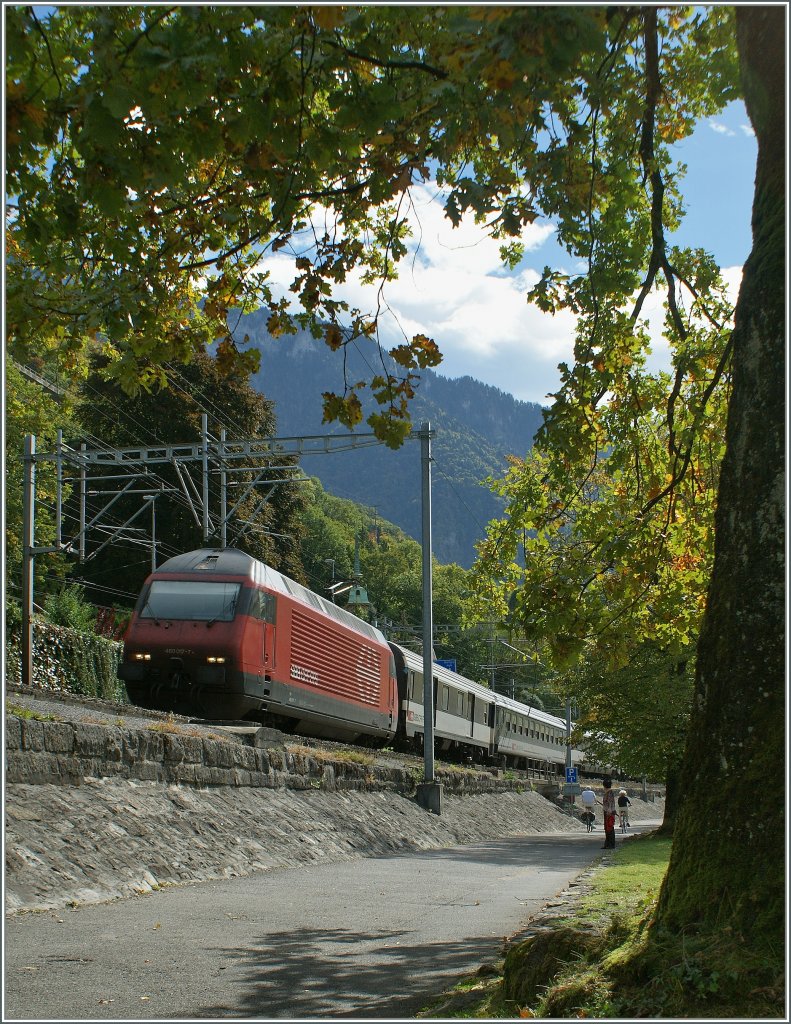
388 65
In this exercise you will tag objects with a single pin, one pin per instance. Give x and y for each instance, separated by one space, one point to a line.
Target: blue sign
447 663
571 775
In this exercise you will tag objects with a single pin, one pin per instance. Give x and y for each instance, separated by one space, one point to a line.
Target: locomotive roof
232 562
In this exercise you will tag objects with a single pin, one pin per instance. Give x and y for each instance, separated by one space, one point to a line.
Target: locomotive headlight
216 661
139 656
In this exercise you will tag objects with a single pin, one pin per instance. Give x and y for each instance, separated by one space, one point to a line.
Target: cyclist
589 801
624 803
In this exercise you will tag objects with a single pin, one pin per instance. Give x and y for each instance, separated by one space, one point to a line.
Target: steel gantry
216 455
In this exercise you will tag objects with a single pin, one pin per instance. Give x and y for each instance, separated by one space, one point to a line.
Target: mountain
475 427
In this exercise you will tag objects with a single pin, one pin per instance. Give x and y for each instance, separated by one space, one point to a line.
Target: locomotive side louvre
339 683
354 670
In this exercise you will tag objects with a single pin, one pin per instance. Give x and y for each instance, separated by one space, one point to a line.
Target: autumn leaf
328 17
333 337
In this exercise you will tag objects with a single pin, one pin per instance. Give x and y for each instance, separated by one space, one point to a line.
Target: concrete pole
223 494
428 621
205 460
28 555
153 533
429 792
59 492
83 489
571 797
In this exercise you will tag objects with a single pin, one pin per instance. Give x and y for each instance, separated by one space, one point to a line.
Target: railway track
74 707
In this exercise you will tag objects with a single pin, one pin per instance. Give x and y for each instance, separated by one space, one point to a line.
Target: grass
173 728
350 756
19 712
605 958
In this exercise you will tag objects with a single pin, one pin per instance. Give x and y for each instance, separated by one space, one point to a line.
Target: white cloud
453 288
721 129
438 243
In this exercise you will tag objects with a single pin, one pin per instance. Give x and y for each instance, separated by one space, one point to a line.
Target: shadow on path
308 974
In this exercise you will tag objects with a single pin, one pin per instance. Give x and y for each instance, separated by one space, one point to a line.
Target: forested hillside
476 427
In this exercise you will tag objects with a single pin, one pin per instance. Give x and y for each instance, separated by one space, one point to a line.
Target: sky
453 287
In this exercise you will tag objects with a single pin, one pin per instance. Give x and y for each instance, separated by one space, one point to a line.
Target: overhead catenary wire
151 476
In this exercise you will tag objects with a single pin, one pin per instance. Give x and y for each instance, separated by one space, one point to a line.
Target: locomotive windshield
188 599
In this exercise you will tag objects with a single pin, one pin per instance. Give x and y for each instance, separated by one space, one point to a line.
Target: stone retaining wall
66 753
96 813
112 838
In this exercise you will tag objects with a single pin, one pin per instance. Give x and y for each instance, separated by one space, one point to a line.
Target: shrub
66 659
68 607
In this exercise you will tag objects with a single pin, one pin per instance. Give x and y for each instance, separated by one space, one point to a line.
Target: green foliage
615 549
154 153
68 607
19 712
603 559
637 716
29 409
65 659
13 613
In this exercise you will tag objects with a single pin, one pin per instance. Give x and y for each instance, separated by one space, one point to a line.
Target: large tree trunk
728 863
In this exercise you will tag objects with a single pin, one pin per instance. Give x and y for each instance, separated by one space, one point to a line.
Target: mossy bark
728 864
533 964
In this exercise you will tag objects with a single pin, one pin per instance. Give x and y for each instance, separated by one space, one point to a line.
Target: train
218 634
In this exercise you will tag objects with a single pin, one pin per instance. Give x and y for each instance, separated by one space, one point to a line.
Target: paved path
375 938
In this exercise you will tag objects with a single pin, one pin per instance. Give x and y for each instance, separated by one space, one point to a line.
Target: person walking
608 806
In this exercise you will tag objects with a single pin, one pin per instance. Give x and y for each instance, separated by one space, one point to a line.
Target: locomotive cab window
197 600
262 606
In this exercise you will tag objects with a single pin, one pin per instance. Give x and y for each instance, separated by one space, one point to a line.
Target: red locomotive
219 634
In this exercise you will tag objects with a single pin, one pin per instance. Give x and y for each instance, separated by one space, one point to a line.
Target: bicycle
624 820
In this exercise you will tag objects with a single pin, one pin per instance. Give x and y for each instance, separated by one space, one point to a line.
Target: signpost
571 787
